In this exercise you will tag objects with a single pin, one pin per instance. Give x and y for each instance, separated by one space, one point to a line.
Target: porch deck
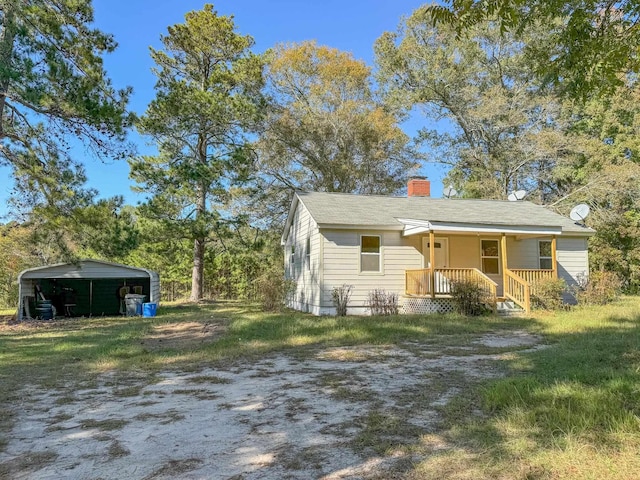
518 284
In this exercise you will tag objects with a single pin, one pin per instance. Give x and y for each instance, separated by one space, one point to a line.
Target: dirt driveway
338 413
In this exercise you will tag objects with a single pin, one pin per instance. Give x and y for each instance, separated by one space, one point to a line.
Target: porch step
508 308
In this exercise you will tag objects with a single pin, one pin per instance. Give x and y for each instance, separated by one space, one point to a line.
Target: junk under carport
86 288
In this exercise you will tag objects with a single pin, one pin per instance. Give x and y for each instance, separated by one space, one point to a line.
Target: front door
490 263
441 247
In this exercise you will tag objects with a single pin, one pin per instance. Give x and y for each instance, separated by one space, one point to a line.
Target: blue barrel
149 309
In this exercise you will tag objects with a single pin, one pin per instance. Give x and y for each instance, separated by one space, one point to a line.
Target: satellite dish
579 212
517 195
449 192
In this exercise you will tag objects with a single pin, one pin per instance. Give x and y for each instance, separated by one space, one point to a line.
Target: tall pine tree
208 97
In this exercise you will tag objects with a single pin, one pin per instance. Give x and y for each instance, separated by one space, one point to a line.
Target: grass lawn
569 410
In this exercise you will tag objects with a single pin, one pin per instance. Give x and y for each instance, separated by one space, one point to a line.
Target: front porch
493 273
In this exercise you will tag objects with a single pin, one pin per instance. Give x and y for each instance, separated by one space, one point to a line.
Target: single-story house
85 288
416 246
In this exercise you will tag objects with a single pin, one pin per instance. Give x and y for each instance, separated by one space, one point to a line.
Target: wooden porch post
503 254
554 260
432 262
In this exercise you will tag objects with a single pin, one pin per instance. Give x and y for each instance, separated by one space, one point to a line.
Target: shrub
469 298
341 296
547 293
381 302
273 290
600 288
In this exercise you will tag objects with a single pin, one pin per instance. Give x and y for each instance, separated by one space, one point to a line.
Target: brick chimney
419 187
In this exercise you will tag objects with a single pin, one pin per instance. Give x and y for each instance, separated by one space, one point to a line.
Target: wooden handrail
418 282
517 289
532 275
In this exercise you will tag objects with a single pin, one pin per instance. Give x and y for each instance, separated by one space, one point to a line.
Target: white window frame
482 256
540 257
308 252
379 254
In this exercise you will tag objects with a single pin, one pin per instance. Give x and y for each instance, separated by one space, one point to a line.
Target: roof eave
351 226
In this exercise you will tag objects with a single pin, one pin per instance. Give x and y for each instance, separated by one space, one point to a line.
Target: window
489 256
544 253
292 261
369 253
308 253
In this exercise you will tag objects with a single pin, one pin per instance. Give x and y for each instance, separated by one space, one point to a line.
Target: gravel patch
274 419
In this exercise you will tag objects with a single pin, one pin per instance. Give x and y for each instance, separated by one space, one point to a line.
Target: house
85 288
391 243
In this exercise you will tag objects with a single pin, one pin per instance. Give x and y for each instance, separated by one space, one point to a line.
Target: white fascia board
414 227
287 225
341 226
511 229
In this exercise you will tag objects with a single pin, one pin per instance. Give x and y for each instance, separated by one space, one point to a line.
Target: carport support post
432 262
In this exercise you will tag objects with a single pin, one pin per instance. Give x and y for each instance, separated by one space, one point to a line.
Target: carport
93 287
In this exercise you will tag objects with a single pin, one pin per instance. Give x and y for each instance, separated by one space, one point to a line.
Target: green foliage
208 97
602 287
502 131
591 53
325 130
53 91
547 293
381 302
606 176
469 298
16 254
340 297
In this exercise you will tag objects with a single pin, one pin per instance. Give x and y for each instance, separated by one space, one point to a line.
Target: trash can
134 303
44 310
149 309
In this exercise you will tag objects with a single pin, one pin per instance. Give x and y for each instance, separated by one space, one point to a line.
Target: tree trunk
197 277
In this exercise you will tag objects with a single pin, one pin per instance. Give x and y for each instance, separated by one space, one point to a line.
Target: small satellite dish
518 195
449 192
579 212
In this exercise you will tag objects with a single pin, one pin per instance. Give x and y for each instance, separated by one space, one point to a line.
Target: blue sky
350 25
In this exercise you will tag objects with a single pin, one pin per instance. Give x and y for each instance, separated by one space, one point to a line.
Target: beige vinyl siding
573 258
341 265
523 253
572 255
307 293
464 251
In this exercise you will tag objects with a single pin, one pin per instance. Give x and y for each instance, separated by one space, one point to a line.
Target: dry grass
569 411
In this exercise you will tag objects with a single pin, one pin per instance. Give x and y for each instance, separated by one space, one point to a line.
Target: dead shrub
274 291
600 288
381 302
469 298
547 293
340 297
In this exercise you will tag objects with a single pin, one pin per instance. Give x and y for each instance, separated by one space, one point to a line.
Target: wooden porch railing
418 282
532 276
517 289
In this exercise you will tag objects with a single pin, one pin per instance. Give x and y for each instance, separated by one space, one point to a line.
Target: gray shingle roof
370 210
